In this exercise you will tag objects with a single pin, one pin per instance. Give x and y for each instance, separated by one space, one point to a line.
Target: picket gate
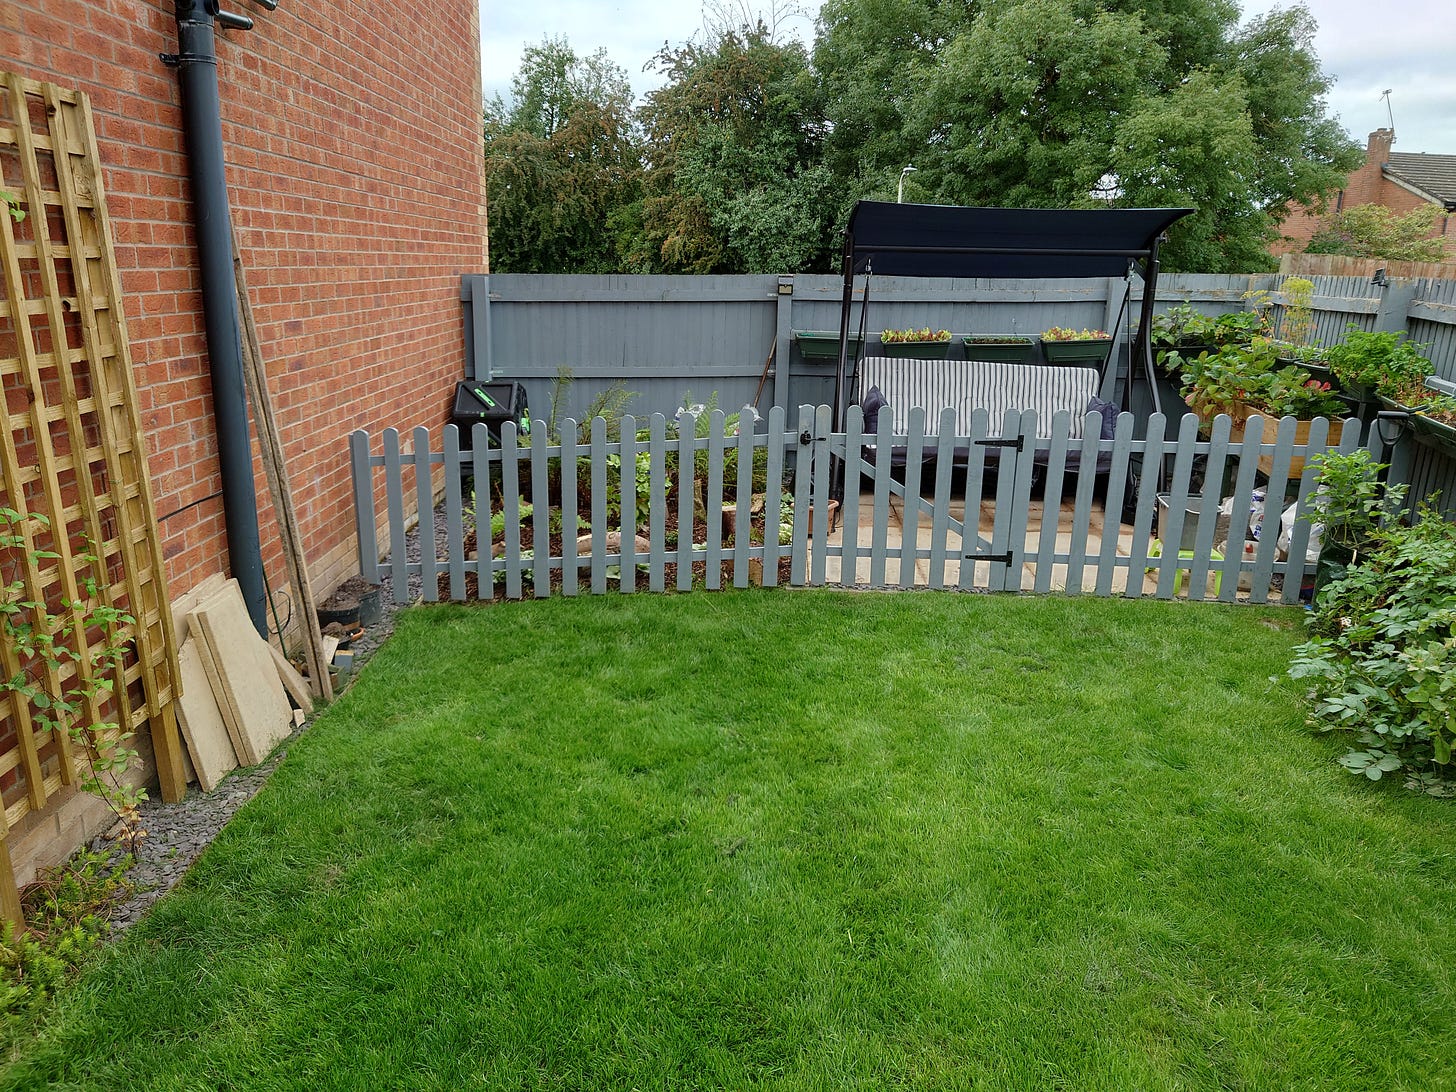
1027 519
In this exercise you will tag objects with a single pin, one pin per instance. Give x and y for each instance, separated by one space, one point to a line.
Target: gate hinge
1015 443
1003 559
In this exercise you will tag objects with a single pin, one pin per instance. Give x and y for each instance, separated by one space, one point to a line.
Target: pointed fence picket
1009 505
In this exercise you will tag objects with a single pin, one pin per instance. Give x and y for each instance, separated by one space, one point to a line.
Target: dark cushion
871 404
1109 413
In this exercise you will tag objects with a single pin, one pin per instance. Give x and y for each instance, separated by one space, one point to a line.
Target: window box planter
824 344
1008 349
1242 415
1434 434
916 350
1091 352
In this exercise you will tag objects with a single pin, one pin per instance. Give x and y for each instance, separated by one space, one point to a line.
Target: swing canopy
900 240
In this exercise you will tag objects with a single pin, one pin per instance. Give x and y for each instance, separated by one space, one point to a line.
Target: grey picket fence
1004 506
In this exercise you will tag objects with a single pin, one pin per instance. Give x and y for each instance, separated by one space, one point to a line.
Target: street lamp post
900 190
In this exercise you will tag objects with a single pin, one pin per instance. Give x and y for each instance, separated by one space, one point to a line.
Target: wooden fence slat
454 514
849 520
1154 443
1082 508
657 505
1015 570
1232 568
1274 498
910 508
482 455
772 548
820 515
627 490
540 512
803 472
713 504
1112 506
394 493
598 505
425 510
687 427
743 501
1055 479
940 523
570 516
880 520
980 425
366 525
1208 509
511 507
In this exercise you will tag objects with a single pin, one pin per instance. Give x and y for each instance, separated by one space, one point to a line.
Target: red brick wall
353 133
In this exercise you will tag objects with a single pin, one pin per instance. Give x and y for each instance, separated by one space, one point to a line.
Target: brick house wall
1368 185
355 168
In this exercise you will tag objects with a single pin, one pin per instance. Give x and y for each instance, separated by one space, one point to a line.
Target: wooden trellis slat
72 445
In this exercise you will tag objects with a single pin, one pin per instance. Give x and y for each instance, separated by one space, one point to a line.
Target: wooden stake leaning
272 451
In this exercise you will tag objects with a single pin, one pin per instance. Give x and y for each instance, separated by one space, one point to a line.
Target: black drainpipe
196 64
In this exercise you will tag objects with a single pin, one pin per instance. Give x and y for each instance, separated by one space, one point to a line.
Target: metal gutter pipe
196 64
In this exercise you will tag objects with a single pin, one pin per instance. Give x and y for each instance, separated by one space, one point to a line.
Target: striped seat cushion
968 385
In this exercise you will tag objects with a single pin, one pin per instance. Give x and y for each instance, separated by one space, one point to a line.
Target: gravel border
178 833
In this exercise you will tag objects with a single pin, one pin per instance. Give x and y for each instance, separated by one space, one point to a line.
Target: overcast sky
1367 45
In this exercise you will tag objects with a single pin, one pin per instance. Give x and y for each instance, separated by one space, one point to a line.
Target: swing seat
893 385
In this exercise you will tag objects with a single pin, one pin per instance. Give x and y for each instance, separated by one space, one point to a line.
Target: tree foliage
1374 231
562 158
752 155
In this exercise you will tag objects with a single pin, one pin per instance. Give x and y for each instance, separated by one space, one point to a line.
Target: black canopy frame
900 240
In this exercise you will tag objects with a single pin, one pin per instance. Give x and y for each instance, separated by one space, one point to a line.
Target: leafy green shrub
1384 361
64 911
1381 658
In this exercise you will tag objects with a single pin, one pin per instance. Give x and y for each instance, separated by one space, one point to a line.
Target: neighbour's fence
693 503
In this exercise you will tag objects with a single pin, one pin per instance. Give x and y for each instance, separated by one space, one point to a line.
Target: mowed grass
799 841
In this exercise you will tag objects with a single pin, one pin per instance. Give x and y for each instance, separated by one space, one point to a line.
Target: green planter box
1008 350
824 344
1434 434
916 350
1093 352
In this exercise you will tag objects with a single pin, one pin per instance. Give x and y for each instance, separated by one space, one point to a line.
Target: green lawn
799 841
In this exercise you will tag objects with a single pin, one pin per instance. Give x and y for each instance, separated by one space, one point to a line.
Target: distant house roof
1433 175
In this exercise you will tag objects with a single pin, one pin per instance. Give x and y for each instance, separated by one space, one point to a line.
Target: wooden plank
1112 510
201 720
713 502
245 676
275 469
1020 502
1265 552
482 456
686 483
1172 533
657 504
1208 505
1248 463
849 513
294 684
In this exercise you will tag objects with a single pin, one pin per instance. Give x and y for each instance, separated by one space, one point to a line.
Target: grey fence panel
1082 509
627 490
980 428
799 557
687 431
940 525
657 516
570 521
598 505
394 493
714 501
1242 504
366 526
1117 482
540 514
1056 474
910 510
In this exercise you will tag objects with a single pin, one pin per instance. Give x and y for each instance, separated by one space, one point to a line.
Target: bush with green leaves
1383 361
1381 657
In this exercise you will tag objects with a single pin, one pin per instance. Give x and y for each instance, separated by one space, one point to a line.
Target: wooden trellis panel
72 439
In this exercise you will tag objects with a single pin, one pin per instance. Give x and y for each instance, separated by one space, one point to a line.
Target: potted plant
1061 345
1368 363
1432 406
922 344
824 344
1245 381
999 348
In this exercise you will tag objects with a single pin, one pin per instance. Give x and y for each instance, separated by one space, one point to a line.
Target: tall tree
735 181
563 157
1075 103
